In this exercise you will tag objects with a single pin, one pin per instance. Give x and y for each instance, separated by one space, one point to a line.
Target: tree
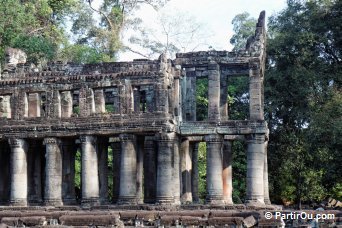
303 74
34 26
243 27
167 36
102 39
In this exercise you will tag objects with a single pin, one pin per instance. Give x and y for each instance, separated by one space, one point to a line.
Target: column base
90 201
215 199
267 201
18 203
53 202
132 200
165 200
255 203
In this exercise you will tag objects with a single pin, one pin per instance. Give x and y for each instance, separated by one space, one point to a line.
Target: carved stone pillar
100 104
34 105
256 109
176 172
164 169
53 172
194 173
150 170
140 169
255 169
66 104
266 188
68 187
90 101
214 169
190 96
214 91
186 166
19 186
5 106
103 169
227 172
128 172
90 173
223 97
177 109
56 105
116 148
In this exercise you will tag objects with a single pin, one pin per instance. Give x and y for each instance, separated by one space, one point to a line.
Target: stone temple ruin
145 111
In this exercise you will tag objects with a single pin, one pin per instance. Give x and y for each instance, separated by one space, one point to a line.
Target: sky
214 15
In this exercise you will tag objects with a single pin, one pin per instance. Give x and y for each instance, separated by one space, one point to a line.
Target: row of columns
153 169
219 170
130 166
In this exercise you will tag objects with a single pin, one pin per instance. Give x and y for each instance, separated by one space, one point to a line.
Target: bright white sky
215 15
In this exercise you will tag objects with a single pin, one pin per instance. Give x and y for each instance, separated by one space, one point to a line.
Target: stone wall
146 111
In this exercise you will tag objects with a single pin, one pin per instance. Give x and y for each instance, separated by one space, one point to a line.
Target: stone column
68 187
266 189
103 169
177 108
186 166
128 172
56 107
195 174
140 170
256 110
19 186
34 105
136 99
5 106
90 173
90 102
66 104
223 97
227 172
176 172
100 104
150 170
164 168
214 91
34 167
116 148
255 169
53 172
214 169
83 102
190 98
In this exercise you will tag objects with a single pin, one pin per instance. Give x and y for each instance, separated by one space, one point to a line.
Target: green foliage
202 99
239 167
303 100
37 48
202 170
78 169
243 26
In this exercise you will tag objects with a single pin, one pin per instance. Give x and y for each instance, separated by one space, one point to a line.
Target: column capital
166 137
256 138
213 65
88 139
16 143
127 137
214 138
51 140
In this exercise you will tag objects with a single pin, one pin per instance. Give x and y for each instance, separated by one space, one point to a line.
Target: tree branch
103 14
